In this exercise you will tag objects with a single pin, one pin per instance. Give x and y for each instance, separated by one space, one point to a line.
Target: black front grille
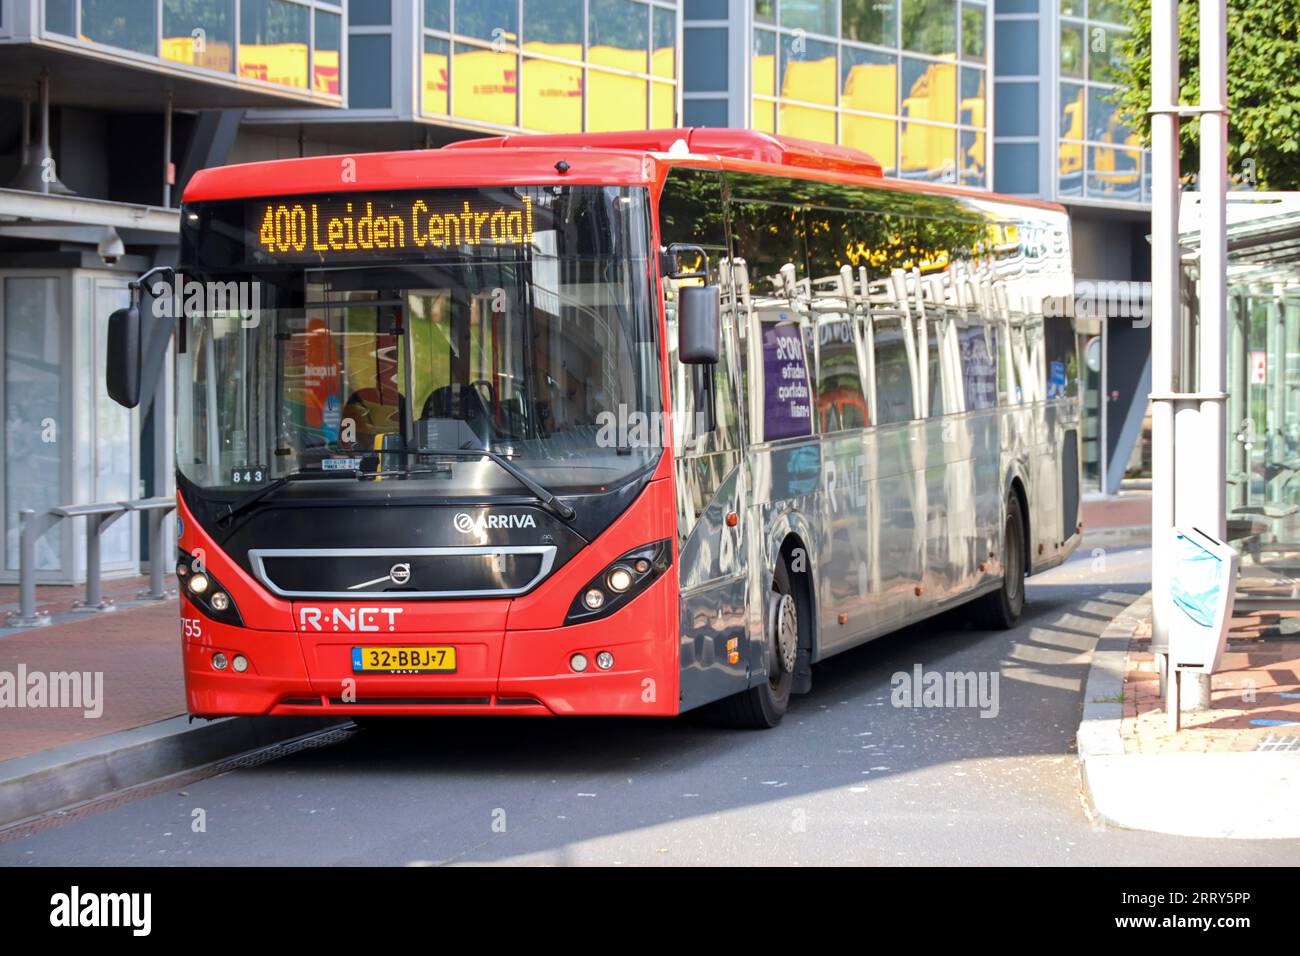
446 572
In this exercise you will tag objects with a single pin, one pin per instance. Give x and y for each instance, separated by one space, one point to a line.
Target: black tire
1000 610
762 707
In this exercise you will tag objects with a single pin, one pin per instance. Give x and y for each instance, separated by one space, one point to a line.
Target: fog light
240 663
619 580
642 565
220 600
198 583
578 662
594 599
604 660
219 661
182 569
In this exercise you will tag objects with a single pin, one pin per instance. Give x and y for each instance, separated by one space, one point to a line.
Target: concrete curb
1103 705
1244 796
58 778
1124 536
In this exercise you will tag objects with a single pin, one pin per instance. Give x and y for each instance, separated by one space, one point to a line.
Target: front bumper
501 671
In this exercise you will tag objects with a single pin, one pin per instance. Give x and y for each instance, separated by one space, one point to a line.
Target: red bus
606 424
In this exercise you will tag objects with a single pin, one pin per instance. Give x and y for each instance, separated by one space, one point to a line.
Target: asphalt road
847 779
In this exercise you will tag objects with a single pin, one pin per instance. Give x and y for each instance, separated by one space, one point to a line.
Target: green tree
1263 86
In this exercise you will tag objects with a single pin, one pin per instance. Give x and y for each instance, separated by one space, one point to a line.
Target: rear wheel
1001 609
763 706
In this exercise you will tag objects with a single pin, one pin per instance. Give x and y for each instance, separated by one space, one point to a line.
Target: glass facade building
1012 95
292 45
558 66
1057 130
434 70
906 81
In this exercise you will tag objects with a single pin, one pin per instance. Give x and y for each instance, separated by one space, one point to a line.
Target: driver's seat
463 402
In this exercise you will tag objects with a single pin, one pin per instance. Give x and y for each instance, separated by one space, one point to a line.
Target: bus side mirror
122 372
699 324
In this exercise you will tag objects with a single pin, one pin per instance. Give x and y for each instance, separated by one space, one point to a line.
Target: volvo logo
466 523
398 574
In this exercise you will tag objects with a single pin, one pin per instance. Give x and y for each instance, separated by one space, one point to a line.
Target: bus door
711 483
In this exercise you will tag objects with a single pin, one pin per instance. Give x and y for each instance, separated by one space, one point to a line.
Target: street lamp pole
1212 496
1164 306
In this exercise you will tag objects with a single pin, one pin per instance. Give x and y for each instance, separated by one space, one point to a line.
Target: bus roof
606 159
701 140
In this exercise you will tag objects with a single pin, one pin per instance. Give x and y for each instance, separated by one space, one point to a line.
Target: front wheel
762 707
1001 609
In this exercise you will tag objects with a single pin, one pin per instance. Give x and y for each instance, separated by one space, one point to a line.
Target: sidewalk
1114 519
57 600
129 725
1255 696
1233 770
138 652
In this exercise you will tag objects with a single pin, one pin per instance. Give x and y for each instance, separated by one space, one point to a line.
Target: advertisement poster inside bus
787 408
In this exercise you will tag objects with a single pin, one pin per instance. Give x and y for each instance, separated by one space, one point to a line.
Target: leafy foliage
1263 86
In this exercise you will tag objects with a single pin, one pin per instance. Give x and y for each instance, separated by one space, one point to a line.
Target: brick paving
1255 696
59 598
137 651
1126 510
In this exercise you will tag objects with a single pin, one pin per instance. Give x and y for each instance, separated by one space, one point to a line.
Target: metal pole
1212 504
167 152
157 549
1165 305
1214 258
27 129
1275 443
27 565
30 529
44 93
93 598
1238 409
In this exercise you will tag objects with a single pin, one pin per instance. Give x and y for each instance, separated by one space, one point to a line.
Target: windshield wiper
539 492
243 503
549 500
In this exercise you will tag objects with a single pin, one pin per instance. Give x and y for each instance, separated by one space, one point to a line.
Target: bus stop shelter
1263 407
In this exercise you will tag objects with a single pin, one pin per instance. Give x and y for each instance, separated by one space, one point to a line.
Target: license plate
403 660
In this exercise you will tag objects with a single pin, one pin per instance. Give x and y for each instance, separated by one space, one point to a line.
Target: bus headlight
620 582
205 592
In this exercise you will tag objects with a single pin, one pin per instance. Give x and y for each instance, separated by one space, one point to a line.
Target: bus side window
768 236
893 374
840 400
836 349
933 342
691 212
978 344
1006 375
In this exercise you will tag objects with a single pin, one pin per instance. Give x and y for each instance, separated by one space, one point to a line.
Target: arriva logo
466 523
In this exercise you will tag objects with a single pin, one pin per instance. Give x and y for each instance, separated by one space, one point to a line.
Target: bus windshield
375 332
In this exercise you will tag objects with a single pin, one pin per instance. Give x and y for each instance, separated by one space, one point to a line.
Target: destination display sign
359 225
